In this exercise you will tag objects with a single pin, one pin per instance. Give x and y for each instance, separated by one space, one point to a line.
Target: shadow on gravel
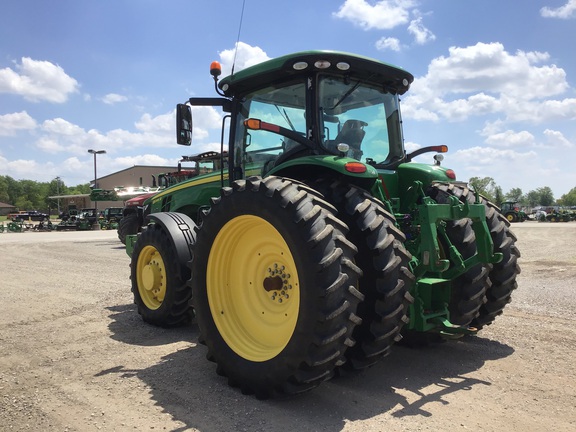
185 385
114 244
127 327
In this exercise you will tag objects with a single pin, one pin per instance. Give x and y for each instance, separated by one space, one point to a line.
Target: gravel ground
75 355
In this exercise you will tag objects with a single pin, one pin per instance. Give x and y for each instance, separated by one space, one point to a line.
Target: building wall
6 209
135 176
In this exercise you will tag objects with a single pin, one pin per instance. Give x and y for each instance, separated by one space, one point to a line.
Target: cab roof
393 78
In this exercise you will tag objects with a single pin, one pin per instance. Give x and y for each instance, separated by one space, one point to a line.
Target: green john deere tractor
512 212
319 243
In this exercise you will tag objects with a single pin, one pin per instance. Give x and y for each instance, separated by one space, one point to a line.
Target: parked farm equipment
511 211
110 218
13 226
76 220
558 216
320 243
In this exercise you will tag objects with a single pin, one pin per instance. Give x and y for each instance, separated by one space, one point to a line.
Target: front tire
159 281
274 287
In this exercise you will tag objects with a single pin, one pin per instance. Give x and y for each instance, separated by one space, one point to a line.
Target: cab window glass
257 151
364 117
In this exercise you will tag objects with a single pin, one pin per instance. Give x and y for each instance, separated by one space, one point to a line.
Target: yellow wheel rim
151 277
253 288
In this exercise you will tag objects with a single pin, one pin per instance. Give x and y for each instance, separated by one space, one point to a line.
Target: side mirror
183 124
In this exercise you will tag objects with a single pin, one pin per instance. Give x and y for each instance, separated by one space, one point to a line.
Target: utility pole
96 152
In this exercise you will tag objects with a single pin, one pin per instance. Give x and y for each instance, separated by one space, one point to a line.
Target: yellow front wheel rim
253 288
151 277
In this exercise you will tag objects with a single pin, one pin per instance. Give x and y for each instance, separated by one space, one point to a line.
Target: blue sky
495 80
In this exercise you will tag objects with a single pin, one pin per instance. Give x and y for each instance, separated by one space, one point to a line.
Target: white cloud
490 68
61 136
383 15
74 165
511 168
59 126
388 43
421 34
160 124
10 124
509 138
563 12
246 56
492 81
410 146
477 159
557 139
38 81
20 168
113 98
50 145
145 159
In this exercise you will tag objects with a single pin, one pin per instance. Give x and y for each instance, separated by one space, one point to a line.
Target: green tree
487 187
23 203
569 199
79 189
515 195
498 195
546 196
533 199
541 196
14 190
33 195
4 197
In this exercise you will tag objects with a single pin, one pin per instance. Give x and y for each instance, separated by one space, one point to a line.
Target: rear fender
314 167
180 230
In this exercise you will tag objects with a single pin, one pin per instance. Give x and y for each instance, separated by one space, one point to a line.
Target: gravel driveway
75 355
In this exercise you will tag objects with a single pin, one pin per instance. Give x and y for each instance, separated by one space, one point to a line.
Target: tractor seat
352 133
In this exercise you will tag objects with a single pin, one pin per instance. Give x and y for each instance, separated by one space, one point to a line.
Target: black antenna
238 38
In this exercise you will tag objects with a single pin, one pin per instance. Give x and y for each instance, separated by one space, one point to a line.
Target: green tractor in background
110 218
558 216
319 243
132 215
511 211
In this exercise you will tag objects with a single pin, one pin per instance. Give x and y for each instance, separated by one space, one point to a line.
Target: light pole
58 193
95 152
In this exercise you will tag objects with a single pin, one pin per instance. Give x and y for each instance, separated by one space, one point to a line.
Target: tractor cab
317 112
315 103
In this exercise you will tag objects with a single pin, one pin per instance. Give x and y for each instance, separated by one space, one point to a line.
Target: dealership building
137 176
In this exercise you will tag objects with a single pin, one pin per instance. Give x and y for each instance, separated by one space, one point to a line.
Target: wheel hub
278 283
253 288
151 276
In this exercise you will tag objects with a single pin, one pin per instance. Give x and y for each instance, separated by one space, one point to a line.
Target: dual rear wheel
277 284
292 283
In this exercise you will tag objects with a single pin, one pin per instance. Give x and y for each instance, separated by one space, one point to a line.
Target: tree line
542 196
33 195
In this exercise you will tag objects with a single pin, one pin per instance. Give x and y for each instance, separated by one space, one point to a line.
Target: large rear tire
274 286
502 276
159 281
386 278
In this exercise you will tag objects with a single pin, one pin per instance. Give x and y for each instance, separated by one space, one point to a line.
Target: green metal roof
280 68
